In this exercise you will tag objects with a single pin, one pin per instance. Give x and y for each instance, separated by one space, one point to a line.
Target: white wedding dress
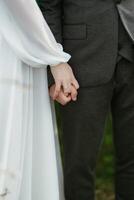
30 167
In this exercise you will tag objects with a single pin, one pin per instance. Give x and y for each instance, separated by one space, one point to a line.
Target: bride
30 167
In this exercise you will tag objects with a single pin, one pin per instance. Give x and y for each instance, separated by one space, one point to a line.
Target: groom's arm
52 11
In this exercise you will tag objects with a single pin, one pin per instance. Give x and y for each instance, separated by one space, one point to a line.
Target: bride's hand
64 78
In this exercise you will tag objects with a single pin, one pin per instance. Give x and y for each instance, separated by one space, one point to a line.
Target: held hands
63 98
65 88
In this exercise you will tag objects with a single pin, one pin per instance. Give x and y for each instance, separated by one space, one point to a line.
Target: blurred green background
105 165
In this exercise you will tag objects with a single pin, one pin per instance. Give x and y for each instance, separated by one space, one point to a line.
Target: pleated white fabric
30 166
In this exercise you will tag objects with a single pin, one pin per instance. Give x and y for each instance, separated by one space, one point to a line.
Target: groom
103 63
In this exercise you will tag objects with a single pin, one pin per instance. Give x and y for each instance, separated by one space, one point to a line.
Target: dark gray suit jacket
88 30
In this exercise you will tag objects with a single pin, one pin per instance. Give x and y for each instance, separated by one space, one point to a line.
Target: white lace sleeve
25 30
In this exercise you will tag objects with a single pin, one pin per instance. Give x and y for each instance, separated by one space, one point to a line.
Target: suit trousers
83 125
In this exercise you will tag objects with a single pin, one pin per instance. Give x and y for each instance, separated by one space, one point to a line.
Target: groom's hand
63 98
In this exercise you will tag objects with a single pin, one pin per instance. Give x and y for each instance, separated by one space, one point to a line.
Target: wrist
57 65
